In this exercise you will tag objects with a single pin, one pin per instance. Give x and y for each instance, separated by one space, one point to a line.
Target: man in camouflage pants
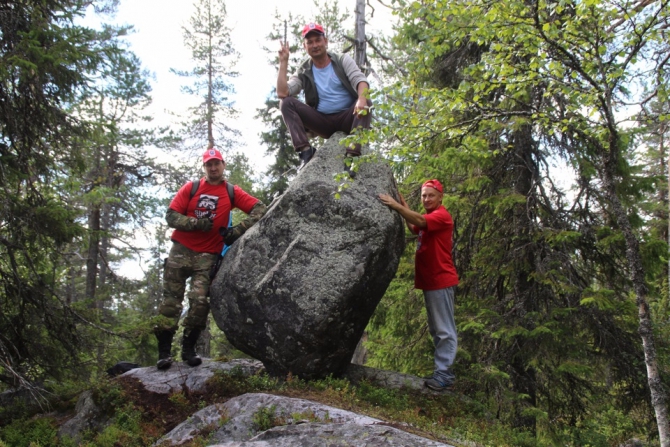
199 217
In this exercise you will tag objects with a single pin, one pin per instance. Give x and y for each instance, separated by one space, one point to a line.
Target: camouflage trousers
183 263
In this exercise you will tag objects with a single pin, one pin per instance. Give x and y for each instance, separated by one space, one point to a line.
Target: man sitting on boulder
335 92
197 213
435 274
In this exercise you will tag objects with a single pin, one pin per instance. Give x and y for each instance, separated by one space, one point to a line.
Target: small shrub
179 400
126 431
381 397
266 418
310 416
26 433
262 382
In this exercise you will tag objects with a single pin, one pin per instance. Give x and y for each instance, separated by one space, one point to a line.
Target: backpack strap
231 194
195 184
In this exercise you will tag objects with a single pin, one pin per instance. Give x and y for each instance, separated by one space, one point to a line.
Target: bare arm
282 83
362 103
414 220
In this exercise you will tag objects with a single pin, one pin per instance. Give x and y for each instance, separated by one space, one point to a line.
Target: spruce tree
207 36
47 62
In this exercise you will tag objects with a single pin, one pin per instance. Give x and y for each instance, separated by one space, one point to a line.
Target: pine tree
212 51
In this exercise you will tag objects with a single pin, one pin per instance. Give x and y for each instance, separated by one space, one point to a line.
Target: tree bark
93 250
634 258
360 41
664 194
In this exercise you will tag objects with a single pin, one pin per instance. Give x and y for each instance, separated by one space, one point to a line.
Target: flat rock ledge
180 375
299 422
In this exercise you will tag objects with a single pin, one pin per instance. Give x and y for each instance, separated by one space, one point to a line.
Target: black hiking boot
188 353
164 349
305 156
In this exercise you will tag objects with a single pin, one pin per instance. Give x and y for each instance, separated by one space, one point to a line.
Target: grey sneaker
437 385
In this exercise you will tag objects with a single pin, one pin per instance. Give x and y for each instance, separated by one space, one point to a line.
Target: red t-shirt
434 267
208 201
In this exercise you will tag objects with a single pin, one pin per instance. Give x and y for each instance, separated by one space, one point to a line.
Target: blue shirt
333 97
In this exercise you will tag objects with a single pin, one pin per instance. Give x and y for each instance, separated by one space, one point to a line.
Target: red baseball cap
434 183
211 153
312 28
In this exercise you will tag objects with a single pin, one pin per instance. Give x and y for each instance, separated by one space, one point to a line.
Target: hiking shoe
164 363
305 156
437 385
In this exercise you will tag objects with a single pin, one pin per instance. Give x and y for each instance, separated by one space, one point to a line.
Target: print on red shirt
206 206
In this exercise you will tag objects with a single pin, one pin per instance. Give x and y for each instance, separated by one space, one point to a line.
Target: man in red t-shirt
199 220
435 274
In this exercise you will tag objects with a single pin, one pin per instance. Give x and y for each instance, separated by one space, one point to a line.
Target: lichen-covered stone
297 290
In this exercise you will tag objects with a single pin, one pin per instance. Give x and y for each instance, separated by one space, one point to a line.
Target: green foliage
398 337
47 62
126 430
179 400
266 418
503 108
207 35
380 397
30 433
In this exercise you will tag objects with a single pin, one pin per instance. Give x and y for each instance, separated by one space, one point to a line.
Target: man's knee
171 309
200 307
287 103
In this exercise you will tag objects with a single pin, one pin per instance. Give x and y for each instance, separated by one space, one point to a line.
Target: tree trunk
664 194
360 42
523 375
204 345
210 89
93 250
361 353
634 258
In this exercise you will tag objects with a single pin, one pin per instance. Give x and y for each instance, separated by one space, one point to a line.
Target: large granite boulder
297 290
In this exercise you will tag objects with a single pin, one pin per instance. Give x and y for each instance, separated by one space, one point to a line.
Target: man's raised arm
282 83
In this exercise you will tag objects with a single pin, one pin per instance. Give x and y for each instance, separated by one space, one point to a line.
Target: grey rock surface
297 290
180 375
287 410
300 423
204 419
88 416
386 379
333 435
30 399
